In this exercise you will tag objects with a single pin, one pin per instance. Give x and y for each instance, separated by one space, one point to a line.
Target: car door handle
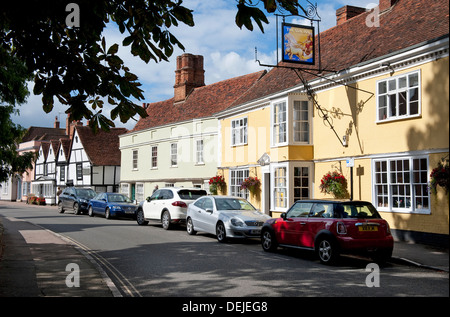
303 223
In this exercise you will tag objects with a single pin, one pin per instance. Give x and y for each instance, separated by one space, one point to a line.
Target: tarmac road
150 261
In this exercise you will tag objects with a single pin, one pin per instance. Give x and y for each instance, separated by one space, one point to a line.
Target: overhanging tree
75 65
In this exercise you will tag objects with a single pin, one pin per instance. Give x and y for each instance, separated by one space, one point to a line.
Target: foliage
247 11
216 183
334 183
10 134
253 184
77 67
440 176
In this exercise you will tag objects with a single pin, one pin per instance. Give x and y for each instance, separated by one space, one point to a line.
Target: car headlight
116 207
237 222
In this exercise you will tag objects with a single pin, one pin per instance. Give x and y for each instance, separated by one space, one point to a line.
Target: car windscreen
233 204
118 198
85 193
191 194
358 210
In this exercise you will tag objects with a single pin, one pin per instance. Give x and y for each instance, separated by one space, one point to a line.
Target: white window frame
394 90
135 159
297 120
199 157
291 184
239 131
139 193
173 154
397 180
276 124
237 175
293 119
154 157
280 191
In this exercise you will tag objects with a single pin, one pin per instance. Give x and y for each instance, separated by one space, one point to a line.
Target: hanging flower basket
253 184
440 177
216 183
334 183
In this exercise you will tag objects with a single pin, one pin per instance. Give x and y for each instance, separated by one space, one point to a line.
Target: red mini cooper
330 228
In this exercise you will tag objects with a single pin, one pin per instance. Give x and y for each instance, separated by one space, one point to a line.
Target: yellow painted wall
353 113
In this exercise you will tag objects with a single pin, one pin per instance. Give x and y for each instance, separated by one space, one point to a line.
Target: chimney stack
188 75
56 124
347 12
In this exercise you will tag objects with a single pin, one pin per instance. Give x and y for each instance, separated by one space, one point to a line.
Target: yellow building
380 118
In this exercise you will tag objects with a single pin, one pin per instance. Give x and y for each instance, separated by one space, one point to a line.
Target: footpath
35 262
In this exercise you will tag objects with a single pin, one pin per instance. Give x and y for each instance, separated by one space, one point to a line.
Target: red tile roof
43 134
202 102
102 148
407 23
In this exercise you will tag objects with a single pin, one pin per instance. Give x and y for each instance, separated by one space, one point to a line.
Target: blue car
112 205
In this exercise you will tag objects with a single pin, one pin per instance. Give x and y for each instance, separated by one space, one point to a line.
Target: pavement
36 262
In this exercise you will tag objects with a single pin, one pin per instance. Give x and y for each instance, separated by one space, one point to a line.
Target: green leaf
113 49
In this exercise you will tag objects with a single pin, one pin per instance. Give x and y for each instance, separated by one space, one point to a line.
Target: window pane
392 105
402 104
382 87
413 80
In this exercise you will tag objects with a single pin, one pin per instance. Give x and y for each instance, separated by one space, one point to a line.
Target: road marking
126 285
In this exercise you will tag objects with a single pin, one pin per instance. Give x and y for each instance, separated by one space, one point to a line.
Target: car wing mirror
210 211
148 199
283 215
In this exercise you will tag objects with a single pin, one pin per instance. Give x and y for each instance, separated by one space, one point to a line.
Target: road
150 261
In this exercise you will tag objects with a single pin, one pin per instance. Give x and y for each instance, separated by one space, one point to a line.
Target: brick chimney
70 126
56 124
347 12
188 75
386 4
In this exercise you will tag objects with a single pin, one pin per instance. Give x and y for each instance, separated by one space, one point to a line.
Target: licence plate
255 231
368 228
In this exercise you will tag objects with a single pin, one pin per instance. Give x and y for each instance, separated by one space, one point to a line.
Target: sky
227 50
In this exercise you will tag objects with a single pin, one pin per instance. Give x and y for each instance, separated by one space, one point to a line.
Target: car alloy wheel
76 209
90 212
165 220
140 218
190 227
268 241
221 232
327 251
107 213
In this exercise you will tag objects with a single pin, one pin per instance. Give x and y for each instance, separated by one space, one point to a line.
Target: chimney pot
56 125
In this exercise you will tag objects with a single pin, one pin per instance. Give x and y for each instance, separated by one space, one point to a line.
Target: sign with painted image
298 44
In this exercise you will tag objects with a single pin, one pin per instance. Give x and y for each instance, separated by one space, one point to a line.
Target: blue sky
227 50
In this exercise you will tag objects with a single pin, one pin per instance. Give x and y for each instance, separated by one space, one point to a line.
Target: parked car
169 205
112 205
226 217
75 198
330 228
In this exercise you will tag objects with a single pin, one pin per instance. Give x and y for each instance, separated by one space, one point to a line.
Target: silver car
225 216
